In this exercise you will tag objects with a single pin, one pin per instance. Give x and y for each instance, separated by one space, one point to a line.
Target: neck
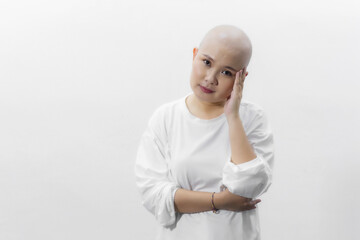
206 107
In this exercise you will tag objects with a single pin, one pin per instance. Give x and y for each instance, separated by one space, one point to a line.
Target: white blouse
179 150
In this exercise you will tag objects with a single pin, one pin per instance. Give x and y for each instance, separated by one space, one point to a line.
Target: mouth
206 90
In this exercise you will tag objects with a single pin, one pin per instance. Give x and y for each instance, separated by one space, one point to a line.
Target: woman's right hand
229 201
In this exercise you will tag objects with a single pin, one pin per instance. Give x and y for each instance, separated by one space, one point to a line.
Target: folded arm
153 177
249 172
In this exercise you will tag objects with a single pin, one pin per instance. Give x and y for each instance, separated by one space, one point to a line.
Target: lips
206 90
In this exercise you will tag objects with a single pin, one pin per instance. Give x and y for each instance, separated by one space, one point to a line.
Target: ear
195 51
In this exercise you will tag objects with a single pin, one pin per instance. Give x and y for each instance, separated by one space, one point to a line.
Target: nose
211 77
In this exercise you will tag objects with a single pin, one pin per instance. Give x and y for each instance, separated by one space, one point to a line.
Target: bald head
231 37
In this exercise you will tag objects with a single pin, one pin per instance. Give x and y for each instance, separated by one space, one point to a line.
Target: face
214 67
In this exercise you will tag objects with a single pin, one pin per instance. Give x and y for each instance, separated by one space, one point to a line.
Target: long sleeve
253 178
156 188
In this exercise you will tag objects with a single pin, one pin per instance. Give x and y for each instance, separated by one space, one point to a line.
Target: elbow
159 201
249 181
165 210
262 186
250 188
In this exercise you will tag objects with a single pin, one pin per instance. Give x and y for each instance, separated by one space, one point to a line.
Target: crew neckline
193 117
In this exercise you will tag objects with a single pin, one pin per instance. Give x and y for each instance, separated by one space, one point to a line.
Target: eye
205 61
229 73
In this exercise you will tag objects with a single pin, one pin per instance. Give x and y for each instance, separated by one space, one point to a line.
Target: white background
80 79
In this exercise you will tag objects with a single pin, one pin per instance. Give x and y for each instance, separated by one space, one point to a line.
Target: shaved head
232 38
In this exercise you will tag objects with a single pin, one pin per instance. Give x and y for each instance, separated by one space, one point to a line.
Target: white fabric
179 150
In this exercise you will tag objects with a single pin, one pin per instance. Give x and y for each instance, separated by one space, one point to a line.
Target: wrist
219 200
234 117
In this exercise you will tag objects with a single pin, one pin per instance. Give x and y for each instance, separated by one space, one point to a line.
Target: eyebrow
213 60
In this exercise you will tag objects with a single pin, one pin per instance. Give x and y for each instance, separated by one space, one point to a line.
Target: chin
206 97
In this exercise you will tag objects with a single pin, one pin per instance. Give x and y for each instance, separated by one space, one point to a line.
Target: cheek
197 70
227 84
229 87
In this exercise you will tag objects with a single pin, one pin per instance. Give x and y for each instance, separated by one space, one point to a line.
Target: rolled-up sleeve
253 178
156 187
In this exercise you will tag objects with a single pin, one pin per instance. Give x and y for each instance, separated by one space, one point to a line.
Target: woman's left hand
231 107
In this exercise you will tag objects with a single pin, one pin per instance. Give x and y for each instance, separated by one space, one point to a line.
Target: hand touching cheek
231 107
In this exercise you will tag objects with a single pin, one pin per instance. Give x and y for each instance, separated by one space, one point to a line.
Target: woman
204 159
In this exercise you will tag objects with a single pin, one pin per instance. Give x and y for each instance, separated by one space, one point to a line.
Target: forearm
241 150
187 201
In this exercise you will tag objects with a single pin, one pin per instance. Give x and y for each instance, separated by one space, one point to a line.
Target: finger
244 74
253 203
239 75
249 205
241 82
237 81
250 208
236 76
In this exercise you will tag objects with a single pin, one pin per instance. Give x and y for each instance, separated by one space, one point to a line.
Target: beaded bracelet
214 209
